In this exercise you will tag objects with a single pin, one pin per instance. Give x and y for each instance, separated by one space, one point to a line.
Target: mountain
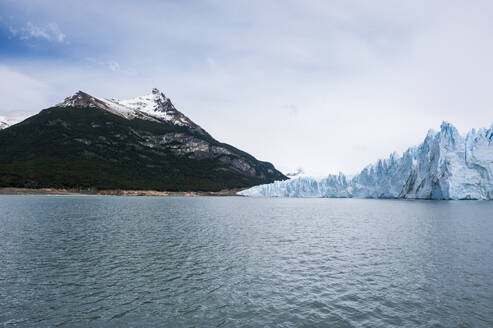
6 122
445 166
140 143
298 173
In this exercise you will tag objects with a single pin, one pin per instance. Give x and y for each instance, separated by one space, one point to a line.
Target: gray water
98 261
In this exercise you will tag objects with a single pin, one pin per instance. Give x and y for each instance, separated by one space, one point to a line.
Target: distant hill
140 143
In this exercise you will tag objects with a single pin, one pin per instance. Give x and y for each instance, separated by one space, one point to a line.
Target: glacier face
445 166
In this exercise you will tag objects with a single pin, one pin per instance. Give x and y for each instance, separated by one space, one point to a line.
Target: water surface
240 262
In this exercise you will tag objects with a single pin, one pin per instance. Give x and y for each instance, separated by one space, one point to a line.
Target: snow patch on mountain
5 122
298 173
82 99
156 104
445 166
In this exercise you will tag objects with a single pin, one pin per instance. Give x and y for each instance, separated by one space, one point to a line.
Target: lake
106 261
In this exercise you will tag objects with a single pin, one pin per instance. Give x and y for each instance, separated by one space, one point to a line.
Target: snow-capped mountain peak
3 125
299 172
154 106
158 105
155 101
82 99
6 122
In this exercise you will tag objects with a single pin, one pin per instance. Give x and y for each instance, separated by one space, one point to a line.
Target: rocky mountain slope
140 143
445 166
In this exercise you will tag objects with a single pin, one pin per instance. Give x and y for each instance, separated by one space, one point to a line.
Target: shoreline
155 193
116 192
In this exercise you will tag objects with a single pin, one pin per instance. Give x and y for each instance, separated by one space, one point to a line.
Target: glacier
446 165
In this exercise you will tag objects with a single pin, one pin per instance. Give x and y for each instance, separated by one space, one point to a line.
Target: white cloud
13 31
21 94
50 32
114 66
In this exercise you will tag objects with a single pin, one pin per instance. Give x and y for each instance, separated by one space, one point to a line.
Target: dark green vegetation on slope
81 147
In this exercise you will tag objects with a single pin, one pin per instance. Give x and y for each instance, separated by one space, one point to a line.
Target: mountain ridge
6 122
140 143
153 106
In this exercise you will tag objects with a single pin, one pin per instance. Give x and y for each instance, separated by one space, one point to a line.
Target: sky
325 86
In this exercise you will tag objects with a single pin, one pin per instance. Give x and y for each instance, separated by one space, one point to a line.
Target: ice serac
446 165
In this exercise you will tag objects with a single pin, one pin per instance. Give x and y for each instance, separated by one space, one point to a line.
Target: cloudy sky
327 86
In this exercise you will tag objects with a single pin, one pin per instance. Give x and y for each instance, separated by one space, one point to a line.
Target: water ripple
238 262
